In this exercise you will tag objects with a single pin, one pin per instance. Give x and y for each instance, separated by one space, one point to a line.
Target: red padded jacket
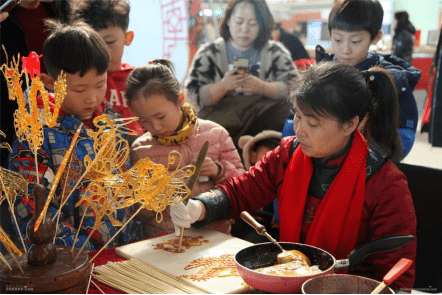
388 208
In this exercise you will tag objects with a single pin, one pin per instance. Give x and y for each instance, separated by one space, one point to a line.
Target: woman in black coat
403 40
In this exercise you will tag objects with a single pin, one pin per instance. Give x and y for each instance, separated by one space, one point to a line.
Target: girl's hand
210 168
253 84
232 80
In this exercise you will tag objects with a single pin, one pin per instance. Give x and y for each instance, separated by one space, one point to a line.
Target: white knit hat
247 143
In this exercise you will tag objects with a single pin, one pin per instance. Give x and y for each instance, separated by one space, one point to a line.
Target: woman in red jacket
334 182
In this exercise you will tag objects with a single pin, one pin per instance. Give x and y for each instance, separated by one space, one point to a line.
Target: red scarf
336 223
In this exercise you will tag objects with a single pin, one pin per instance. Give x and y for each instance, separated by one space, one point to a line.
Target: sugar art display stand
47 268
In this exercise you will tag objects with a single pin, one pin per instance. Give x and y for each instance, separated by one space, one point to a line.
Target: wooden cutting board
175 263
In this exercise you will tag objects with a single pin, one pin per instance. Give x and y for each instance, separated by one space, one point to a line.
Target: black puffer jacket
403 42
406 78
14 42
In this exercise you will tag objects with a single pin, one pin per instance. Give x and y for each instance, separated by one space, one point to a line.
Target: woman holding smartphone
244 102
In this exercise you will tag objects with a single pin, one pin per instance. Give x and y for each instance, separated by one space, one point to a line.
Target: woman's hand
210 168
229 82
233 80
3 16
184 215
253 84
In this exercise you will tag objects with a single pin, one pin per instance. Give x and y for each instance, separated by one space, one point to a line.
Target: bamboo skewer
135 276
128 119
64 189
90 277
5 261
96 286
35 148
113 237
78 231
36 166
18 263
58 176
81 177
84 244
35 151
178 283
125 284
11 208
11 247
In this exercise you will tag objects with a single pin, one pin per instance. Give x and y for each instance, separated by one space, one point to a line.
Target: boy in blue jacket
354 25
81 53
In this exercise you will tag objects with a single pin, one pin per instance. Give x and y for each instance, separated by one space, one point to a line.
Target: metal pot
263 255
342 284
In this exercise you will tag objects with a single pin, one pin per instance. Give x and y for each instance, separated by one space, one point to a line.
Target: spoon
282 257
398 269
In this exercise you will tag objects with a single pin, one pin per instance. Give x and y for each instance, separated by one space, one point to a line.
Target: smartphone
241 64
8 5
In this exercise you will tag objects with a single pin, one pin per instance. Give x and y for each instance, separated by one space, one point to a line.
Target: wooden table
209 243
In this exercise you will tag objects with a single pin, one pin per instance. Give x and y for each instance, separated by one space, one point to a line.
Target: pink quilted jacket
221 150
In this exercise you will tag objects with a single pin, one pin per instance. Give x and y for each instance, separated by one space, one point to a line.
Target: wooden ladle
397 270
282 257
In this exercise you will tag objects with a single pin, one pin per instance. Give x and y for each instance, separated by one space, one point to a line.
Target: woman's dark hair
355 15
333 89
102 13
402 20
158 77
263 17
74 48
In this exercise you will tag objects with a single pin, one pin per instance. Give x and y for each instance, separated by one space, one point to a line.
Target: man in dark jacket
435 136
21 32
291 42
403 40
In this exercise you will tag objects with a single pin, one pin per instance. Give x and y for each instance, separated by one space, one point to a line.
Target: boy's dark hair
102 13
332 89
402 20
158 77
277 26
74 48
270 143
355 15
263 17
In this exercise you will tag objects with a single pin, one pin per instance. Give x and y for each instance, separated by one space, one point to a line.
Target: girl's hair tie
368 76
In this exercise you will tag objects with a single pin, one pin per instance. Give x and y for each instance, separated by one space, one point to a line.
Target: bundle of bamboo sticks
134 276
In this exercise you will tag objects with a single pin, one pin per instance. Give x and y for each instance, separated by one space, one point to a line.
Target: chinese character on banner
174 18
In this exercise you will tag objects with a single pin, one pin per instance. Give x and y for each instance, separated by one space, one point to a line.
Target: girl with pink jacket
154 95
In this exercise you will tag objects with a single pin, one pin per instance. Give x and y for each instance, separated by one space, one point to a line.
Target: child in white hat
253 148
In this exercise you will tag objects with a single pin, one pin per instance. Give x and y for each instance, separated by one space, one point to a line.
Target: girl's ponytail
383 117
157 77
165 62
